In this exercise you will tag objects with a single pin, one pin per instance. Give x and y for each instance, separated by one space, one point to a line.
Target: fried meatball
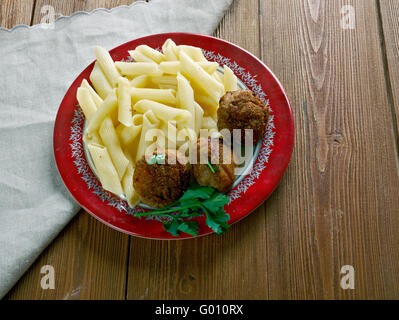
159 185
242 110
222 177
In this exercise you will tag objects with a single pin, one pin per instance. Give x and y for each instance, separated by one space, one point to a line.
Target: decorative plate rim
259 164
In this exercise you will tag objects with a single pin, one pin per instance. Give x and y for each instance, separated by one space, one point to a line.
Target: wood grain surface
66 8
337 204
389 10
14 12
340 198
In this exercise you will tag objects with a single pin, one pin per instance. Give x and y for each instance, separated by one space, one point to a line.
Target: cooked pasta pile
176 91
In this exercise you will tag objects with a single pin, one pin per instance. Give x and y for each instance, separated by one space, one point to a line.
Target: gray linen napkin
37 65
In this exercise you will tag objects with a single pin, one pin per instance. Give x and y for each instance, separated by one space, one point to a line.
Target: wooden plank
66 8
241 26
339 202
89 261
209 267
14 12
389 10
89 258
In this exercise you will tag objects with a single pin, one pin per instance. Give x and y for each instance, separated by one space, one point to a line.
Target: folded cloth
37 65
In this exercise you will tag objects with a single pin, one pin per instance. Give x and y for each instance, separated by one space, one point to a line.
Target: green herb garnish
214 170
157 158
195 202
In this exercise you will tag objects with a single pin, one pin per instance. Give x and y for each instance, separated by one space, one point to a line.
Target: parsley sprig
157 159
195 202
213 169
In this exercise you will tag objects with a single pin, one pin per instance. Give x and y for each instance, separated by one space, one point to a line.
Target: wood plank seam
260 27
127 266
388 80
33 12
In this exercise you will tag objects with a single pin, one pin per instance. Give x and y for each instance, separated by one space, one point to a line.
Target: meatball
159 185
242 110
213 153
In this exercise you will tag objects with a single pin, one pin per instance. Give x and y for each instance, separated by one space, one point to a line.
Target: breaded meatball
159 185
222 177
242 110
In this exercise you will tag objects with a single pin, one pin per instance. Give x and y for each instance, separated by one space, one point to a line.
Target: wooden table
338 203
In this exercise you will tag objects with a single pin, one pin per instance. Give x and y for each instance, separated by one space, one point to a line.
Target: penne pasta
131 195
199 115
105 169
114 116
139 57
170 67
138 68
218 78
167 86
106 108
86 102
214 133
130 152
174 67
229 79
151 53
201 78
160 100
100 82
168 50
149 122
170 132
186 99
209 123
208 66
170 80
111 142
119 129
137 120
193 52
107 65
166 96
128 134
93 138
168 42
96 98
140 81
124 103
162 111
208 104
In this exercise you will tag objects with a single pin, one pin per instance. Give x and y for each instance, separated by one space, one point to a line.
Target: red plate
271 162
